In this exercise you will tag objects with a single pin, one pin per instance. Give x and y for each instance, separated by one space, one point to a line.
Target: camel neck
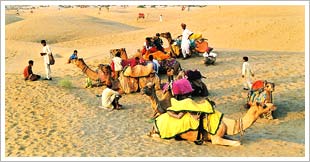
248 119
155 101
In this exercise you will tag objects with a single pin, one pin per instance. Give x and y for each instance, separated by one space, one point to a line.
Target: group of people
153 44
46 52
117 64
110 97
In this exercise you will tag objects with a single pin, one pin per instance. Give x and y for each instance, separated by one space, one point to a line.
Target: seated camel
103 75
261 91
174 50
199 124
197 45
133 84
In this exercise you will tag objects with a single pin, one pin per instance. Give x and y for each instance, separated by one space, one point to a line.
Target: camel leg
221 141
153 133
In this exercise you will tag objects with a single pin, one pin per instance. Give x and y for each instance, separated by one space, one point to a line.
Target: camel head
73 61
170 71
106 69
149 89
181 75
121 50
269 86
79 62
166 35
261 108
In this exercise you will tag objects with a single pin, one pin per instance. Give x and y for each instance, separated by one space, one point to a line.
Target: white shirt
246 69
185 40
46 49
117 63
108 95
157 65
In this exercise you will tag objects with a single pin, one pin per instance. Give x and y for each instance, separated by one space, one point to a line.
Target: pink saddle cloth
180 87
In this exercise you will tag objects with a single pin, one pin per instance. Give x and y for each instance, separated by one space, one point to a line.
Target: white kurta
185 42
247 72
47 49
117 63
108 96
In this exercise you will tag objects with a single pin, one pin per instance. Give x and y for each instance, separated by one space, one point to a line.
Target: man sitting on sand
109 99
28 74
73 56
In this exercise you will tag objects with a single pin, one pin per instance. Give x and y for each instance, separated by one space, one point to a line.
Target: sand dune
46 119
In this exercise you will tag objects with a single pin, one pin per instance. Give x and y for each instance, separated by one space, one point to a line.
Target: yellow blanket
212 122
196 36
190 105
169 127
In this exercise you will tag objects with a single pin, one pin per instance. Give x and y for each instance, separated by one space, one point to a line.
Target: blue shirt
73 56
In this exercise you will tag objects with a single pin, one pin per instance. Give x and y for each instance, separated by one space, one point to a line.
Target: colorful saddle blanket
180 87
258 85
158 55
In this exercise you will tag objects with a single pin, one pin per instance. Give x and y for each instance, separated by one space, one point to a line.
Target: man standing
247 73
46 50
185 41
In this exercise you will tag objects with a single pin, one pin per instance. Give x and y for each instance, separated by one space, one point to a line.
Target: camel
201 46
121 50
158 105
227 126
174 52
262 94
103 76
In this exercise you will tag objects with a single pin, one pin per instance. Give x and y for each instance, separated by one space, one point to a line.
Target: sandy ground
44 119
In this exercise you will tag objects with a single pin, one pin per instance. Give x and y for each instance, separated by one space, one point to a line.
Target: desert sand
45 119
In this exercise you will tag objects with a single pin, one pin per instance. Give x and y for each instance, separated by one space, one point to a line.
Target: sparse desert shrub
66 83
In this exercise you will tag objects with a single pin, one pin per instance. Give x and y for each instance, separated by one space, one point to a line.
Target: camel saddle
138 71
180 87
191 106
158 55
169 127
128 84
258 85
